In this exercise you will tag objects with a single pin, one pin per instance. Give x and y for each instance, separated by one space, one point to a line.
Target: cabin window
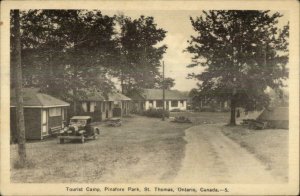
174 103
104 106
44 121
110 105
84 107
117 104
88 105
159 103
54 112
92 106
151 103
181 103
63 114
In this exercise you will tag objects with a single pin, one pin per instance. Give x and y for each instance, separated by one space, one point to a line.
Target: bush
175 110
156 113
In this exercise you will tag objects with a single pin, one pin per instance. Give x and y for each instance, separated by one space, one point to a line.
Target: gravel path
211 157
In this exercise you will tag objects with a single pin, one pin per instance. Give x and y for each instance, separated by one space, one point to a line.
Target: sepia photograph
137 100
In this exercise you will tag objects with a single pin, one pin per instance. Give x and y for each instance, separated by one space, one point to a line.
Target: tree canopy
243 53
140 54
168 83
66 52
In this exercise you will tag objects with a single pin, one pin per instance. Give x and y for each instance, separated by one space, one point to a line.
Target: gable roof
157 94
115 96
93 96
275 113
33 98
98 96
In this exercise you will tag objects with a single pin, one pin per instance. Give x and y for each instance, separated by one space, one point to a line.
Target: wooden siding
54 121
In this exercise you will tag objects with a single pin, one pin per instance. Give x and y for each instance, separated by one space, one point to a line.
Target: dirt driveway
211 157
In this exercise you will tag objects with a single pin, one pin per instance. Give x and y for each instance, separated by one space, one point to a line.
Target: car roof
81 117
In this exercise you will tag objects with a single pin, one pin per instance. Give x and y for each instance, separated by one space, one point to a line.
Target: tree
17 73
244 52
68 51
168 83
139 54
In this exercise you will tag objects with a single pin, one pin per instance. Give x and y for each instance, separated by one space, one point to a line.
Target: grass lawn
268 145
141 150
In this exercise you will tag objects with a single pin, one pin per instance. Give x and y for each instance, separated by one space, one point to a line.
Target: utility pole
163 87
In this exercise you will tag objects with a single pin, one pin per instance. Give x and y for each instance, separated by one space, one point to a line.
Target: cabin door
44 123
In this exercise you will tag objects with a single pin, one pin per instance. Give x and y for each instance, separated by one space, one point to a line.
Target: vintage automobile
80 128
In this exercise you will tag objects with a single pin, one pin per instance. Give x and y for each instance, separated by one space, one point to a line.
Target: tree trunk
50 83
122 82
16 64
232 111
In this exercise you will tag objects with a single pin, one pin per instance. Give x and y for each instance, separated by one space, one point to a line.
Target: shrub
156 113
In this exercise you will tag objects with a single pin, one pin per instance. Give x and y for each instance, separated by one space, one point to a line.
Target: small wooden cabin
101 107
146 99
121 104
44 115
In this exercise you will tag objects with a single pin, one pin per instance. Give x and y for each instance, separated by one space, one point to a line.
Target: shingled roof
33 98
115 96
98 96
157 94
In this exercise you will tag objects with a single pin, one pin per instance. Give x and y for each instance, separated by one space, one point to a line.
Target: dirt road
211 157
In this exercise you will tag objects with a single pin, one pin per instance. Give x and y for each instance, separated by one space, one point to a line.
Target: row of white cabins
153 98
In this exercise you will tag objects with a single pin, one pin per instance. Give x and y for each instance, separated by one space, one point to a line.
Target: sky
179 30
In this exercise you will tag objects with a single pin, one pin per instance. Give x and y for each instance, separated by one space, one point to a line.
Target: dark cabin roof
93 96
274 114
115 96
98 96
33 98
157 94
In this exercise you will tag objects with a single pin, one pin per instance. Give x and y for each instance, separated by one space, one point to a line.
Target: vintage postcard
149 97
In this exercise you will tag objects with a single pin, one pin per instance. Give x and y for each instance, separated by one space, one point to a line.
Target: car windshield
77 121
